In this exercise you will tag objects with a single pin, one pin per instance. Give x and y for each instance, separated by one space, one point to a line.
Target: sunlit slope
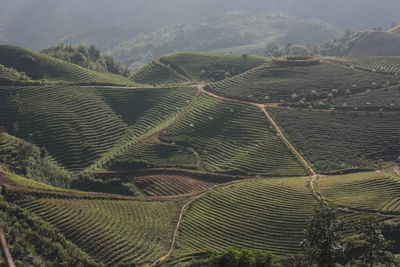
268 214
42 67
204 66
232 138
298 81
342 140
112 231
370 190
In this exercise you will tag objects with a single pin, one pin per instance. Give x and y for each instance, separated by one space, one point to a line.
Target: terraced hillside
298 81
202 66
384 99
371 190
74 124
209 170
387 65
146 112
92 120
112 232
168 185
42 67
12 77
155 73
338 140
265 214
232 138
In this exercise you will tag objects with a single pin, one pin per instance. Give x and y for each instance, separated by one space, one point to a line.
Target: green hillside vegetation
147 155
74 124
338 141
112 232
202 66
297 81
28 160
386 99
268 215
168 185
42 67
146 112
371 190
386 65
232 138
155 73
9 76
33 242
88 57
107 117
138 176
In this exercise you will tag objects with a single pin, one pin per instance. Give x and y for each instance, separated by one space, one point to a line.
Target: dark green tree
369 242
323 244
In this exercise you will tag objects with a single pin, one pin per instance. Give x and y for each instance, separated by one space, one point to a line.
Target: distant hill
377 43
395 29
233 32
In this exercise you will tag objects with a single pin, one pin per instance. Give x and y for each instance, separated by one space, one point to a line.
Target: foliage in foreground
326 242
87 57
33 242
237 258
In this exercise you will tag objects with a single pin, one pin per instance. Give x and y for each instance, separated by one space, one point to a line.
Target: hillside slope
375 43
42 67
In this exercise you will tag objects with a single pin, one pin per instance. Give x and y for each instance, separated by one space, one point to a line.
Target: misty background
135 31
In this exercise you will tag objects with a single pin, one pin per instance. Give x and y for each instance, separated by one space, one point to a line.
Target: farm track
184 208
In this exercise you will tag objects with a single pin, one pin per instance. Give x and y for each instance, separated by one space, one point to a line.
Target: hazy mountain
40 23
239 32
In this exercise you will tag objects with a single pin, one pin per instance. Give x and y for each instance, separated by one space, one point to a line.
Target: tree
272 50
243 258
369 242
323 244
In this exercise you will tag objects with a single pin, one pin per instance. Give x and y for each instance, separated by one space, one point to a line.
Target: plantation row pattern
232 138
112 232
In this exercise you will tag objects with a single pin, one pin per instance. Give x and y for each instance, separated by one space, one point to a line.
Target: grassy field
42 67
280 83
112 232
268 214
203 66
370 190
232 138
338 141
